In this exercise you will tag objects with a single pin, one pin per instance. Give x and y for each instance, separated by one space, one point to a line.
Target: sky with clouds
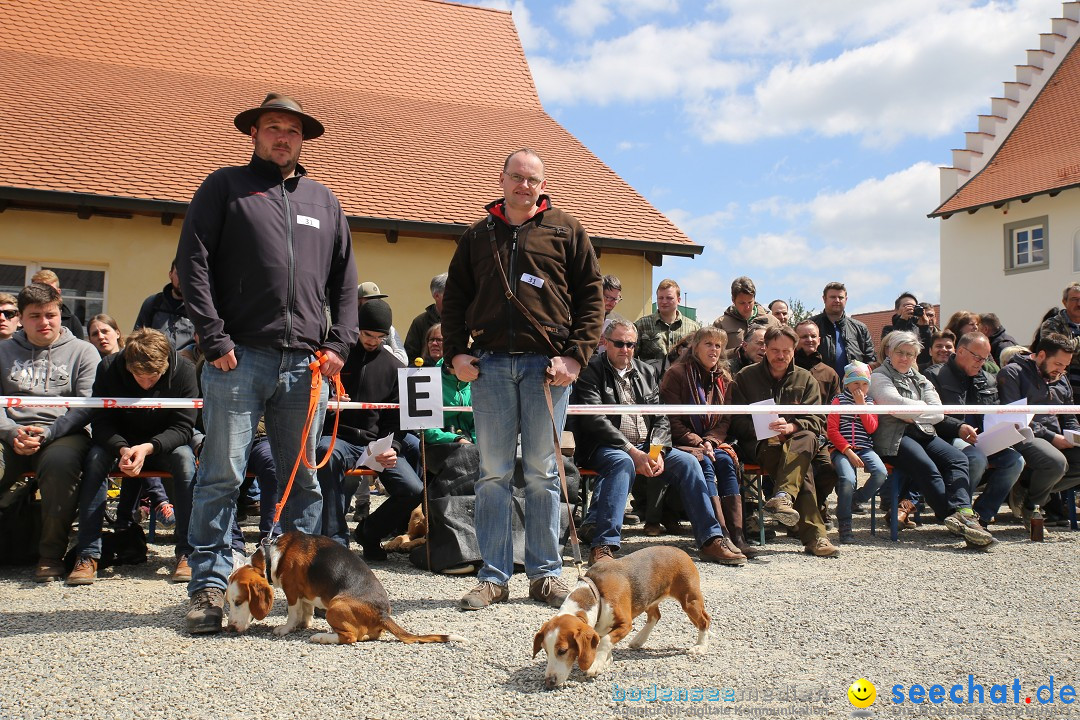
797 141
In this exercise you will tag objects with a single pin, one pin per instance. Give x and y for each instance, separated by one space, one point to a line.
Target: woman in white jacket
908 441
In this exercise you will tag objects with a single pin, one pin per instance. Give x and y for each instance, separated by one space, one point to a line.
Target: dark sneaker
182 571
600 553
721 550
966 525
822 548
484 594
653 529
85 571
585 532
206 611
48 569
846 535
781 508
549 589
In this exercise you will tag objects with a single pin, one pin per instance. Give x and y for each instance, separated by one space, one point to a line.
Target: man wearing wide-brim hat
264 248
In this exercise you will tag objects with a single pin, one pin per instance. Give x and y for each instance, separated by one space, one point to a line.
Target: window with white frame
83 289
1026 244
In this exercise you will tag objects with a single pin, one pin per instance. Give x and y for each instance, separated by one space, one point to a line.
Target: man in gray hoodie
44 359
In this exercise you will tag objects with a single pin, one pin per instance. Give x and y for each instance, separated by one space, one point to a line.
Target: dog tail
407 637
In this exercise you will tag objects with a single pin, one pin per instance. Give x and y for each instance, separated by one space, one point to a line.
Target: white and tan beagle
314 571
600 610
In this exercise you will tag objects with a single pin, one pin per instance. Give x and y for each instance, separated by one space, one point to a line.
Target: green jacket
754 383
458 424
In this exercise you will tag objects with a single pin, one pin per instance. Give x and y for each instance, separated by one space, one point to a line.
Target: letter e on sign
420 397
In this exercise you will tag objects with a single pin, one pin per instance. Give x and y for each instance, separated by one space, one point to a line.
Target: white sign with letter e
420 397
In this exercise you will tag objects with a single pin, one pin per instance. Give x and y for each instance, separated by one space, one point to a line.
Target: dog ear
260 599
587 640
538 641
257 561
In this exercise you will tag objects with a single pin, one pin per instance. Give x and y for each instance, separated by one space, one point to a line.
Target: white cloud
583 17
647 64
704 229
879 70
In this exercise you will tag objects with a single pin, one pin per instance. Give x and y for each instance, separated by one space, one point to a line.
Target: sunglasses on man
623 344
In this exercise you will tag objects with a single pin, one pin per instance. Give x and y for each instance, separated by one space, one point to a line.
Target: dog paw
325 638
697 650
282 630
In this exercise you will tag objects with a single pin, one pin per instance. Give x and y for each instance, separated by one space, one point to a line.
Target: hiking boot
206 610
85 571
166 515
48 569
781 508
653 529
484 594
846 535
630 519
182 571
720 550
822 548
966 525
550 589
600 553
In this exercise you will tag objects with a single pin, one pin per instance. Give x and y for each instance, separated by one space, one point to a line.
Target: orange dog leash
313 406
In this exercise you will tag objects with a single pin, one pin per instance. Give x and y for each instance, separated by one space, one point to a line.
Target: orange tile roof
421 100
1040 155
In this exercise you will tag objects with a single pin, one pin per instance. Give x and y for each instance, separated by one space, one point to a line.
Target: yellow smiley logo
862 693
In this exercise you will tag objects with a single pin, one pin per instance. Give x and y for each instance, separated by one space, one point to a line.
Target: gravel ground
789 635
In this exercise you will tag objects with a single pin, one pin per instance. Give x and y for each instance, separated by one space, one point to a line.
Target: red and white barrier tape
8 401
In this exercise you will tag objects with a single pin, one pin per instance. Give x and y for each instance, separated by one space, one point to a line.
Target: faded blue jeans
508 399
265 381
93 494
847 480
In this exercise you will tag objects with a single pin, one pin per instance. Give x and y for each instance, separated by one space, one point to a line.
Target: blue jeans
720 475
614 473
508 399
403 487
1000 472
261 465
93 494
847 481
265 381
938 470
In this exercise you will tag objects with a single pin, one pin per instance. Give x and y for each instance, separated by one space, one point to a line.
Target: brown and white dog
314 571
414 536
600 610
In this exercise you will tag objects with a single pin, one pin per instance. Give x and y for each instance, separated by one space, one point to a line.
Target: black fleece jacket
369 377
164 428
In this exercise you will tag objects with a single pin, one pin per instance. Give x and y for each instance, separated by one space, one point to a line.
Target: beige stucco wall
973 261
136 252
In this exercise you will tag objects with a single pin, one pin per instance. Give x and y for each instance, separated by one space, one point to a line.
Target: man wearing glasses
543 331
9 316
961 380
618 447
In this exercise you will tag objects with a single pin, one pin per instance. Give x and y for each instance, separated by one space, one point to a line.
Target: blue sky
797 141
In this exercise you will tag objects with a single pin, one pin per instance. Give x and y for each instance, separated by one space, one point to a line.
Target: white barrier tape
7 401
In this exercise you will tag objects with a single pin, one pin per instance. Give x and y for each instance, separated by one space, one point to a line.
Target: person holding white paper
1053 462
370 375
961 380
786 457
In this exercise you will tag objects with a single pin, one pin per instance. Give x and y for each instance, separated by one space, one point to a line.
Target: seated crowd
668 467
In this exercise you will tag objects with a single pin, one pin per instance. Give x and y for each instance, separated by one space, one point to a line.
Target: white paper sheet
762 421
1001 436
1072 436
373 450
1018 420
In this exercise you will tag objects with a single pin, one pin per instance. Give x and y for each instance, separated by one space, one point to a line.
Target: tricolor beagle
314 571
600 610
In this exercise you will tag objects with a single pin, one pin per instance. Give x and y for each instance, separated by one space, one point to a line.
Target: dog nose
550 683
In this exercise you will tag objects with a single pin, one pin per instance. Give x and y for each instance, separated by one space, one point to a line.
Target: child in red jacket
852 448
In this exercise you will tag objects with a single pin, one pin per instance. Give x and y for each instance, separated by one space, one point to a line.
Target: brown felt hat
276 102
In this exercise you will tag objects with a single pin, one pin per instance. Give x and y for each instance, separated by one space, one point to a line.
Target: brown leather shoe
85 571
822 548
48 569
600 553
182 571
732 509
720 550
653 529
905 513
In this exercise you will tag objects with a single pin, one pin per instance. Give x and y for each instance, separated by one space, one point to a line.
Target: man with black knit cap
370 375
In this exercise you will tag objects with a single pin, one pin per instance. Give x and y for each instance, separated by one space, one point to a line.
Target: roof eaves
971 209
